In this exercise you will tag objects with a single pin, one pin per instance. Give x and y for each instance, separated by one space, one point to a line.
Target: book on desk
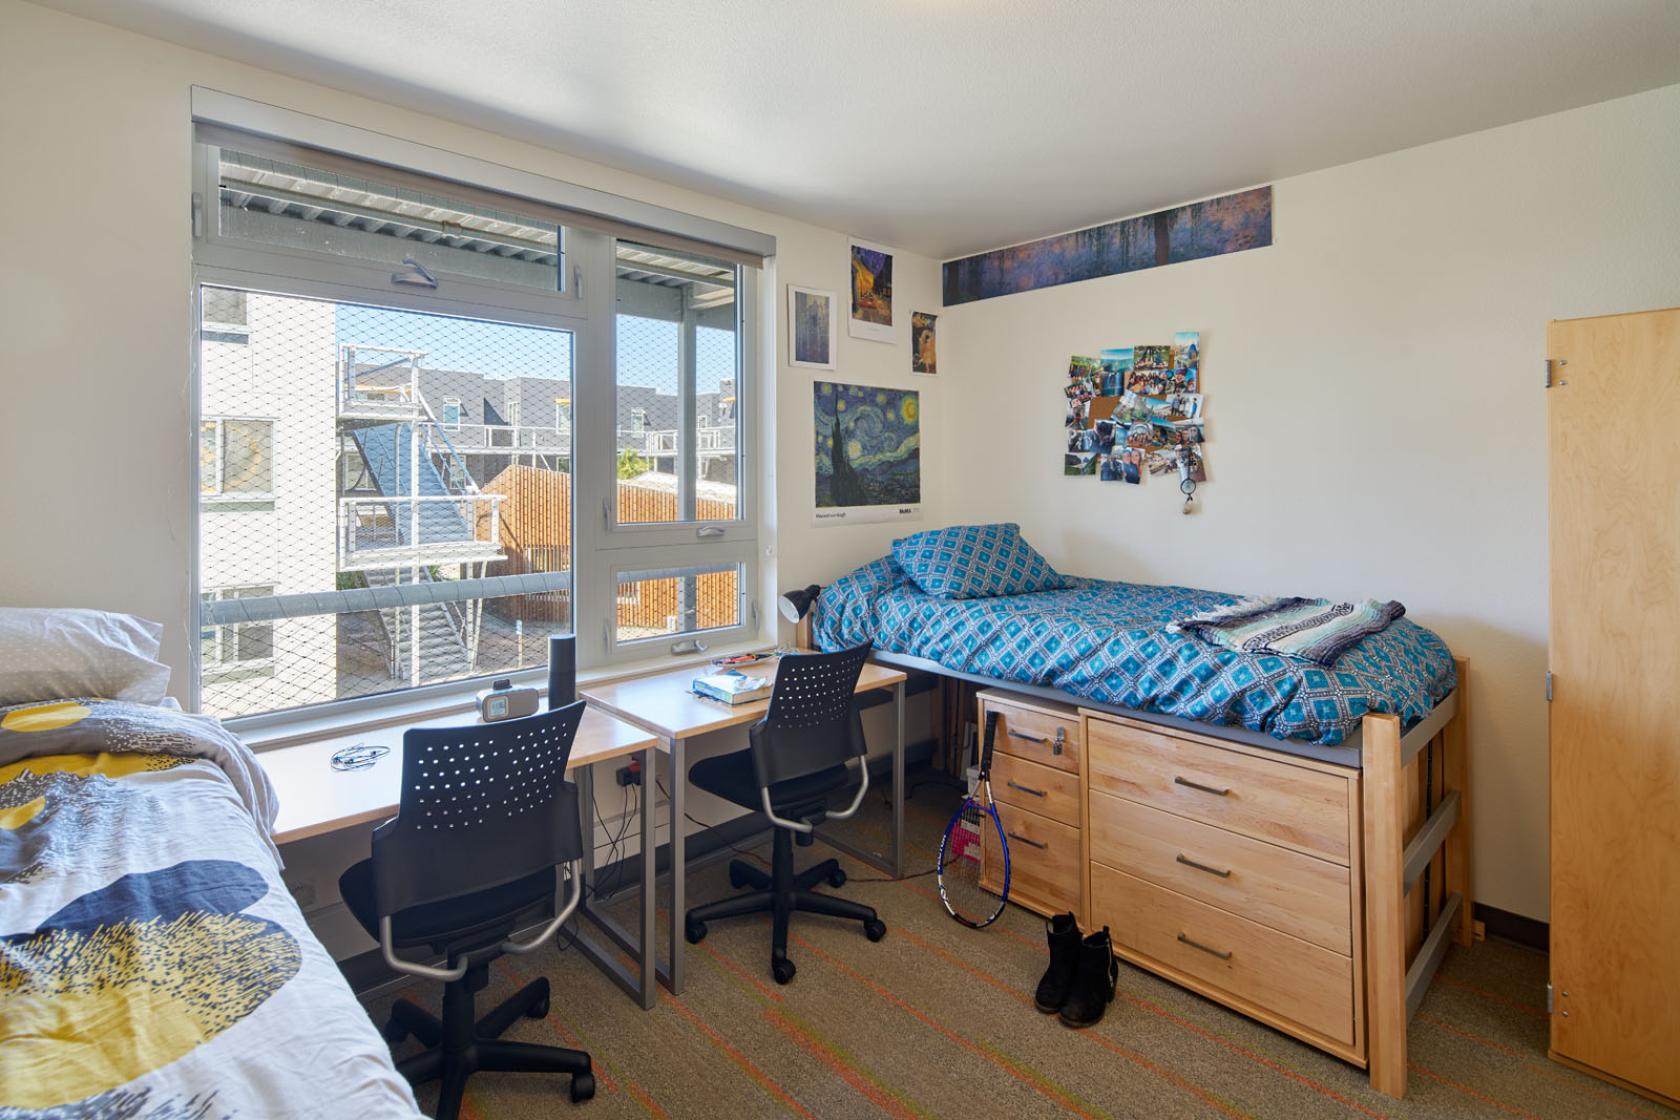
733 687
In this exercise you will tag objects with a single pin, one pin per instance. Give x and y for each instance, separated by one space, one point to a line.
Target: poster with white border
871 302
867 454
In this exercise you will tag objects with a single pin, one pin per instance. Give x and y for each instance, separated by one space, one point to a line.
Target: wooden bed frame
1413 860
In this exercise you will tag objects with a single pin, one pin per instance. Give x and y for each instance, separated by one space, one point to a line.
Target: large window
391 496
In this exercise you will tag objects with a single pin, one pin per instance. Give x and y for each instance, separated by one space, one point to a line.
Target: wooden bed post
1384 821
1456 738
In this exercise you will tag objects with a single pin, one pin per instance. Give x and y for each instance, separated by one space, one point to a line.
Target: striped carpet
937 1020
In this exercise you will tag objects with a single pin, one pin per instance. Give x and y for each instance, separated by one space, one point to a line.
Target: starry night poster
868 453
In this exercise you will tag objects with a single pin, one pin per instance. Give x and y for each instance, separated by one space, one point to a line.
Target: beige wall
95 126
96 453
1376 421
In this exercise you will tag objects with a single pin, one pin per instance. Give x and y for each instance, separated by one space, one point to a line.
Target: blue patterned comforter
1108 642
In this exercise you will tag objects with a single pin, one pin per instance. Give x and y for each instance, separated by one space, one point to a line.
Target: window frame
600 549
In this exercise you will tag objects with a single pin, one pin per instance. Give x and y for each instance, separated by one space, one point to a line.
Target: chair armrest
414 968
805 826
448 975
552 927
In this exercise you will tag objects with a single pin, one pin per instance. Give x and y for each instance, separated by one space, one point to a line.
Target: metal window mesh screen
655 604
353 541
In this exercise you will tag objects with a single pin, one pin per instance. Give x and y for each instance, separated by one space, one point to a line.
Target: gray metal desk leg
898 783
679 870
649 956
586 818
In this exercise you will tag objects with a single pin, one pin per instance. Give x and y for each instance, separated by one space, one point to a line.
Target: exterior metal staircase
425 516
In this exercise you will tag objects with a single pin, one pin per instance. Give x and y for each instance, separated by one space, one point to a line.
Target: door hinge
606 513
1548 686
1548 997
1554 372
197 216
606 636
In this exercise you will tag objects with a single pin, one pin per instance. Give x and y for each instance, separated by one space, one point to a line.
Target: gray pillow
56 654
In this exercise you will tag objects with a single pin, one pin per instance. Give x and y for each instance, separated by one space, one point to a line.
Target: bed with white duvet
152 963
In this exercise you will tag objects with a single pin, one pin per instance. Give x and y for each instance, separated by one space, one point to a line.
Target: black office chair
796 758
486 820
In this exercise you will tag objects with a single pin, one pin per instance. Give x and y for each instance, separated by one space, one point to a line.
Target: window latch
709 532
417 277
688 645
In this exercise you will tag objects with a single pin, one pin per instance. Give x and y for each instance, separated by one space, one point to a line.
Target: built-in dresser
1230 870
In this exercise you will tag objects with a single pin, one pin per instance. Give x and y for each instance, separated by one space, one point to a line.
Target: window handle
688 645
707 532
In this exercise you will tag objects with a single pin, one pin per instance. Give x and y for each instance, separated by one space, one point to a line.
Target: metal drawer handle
1027 842
1026 789
1188 862
1041 740
1215 790
1194 944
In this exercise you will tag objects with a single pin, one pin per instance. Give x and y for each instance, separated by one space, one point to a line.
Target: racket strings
961 865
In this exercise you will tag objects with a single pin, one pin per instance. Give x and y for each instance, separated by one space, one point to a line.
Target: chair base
458 1046
781 893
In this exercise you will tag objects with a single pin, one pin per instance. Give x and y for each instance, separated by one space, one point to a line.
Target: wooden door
1614 435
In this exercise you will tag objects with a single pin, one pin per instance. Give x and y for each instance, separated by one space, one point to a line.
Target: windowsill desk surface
316 799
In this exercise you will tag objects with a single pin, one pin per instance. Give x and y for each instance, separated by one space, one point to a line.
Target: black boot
1093 983
1053 988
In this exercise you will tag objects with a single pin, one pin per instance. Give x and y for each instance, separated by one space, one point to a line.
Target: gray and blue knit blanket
1315 630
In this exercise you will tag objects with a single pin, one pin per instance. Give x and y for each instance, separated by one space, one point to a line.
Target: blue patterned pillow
975 562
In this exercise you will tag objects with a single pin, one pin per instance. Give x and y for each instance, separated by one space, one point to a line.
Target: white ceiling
950 126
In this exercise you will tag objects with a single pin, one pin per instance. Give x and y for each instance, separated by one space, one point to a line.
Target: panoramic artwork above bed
1210 228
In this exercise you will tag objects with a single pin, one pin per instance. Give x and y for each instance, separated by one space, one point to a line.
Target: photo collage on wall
1137 410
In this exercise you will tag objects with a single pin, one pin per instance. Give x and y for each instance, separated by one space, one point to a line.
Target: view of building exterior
391 486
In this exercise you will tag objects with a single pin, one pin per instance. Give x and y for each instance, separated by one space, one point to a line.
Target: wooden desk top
663 704
316 799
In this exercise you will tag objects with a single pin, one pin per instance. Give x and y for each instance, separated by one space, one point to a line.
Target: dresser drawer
1019 784
1287 977
1272 800
1297 894
1037 735
1043 861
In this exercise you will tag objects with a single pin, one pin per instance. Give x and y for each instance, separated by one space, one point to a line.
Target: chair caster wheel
875 929
694 931
583 1087
393 1031
837 878
782 969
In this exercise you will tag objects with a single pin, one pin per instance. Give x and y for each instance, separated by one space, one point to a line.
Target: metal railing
390 532
397 400
708 441
497 439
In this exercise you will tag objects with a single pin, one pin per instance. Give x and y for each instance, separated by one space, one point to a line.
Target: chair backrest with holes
482 804
813 721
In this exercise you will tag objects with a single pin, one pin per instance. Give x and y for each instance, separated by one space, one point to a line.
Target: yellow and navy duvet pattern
152 965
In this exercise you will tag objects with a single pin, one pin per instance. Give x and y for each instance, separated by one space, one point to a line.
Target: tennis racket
959 850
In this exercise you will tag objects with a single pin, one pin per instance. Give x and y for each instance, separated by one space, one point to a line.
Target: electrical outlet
630 775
